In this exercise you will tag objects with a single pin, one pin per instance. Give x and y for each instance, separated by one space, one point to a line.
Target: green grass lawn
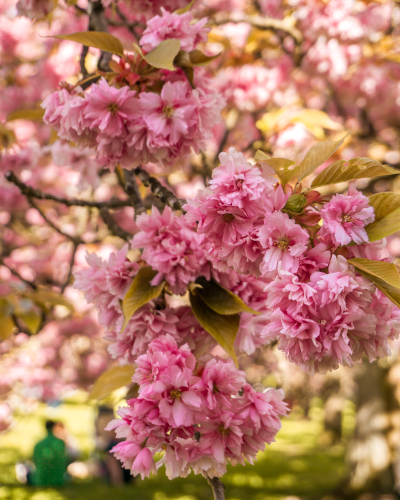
296 465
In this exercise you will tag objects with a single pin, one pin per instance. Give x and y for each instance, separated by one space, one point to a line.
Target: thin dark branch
130 26
98 22
132 190
82 62
36 193
159 190
74 240
217 487
71 265
16 273
79 9
113 226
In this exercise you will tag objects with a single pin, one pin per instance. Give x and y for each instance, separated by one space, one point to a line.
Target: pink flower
110 278
35 9
147 324
283 242
109 108
144 463
236 182
171 25
221 379
168 115
171 247
344 218
313 260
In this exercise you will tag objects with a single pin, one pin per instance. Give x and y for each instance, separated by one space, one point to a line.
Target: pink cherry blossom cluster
131 128
321 311
105 284
138 125
170 25
201 416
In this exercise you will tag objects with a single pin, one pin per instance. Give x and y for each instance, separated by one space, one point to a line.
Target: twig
36 193
75 241
268 23
82 62
16 273
98 22
130 26
71 265
159 190
113 226
132 190
217 487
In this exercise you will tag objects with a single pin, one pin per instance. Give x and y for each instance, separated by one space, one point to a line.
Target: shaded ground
295 466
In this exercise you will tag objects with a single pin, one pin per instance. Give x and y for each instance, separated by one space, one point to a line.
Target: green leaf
197 58
283 167
316 156
384 204
47 297
139 293
98 39
164 54
223 328
6 322
112 379
220 299
26 114
356 168
383 274
183 10
32 320
384 227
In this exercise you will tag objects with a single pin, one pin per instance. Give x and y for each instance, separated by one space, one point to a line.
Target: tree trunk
372 461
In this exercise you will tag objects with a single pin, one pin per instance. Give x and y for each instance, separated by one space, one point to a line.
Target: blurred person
50 459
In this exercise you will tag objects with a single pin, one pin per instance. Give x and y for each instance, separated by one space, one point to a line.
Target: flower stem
217 487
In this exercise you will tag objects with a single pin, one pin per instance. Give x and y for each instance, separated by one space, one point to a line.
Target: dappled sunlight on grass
296 465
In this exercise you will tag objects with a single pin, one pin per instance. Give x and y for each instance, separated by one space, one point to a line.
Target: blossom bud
296 203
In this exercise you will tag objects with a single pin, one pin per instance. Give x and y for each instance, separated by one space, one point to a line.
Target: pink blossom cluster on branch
203 417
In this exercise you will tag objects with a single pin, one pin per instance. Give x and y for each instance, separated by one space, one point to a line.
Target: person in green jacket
50 459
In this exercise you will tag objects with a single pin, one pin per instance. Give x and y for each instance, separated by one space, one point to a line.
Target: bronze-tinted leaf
98 39
285 169
197 58
384 227
6 322
112 379
32 320
139 293
220 299
47 297
383 274
35 114
183 10
316 156
384 204
356 168
223 328
164 54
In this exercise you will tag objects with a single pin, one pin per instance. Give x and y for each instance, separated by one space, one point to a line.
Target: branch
36 193
71 265
113 226
98 22
217 487
159 190
128 182
75 241
16 273
266 23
